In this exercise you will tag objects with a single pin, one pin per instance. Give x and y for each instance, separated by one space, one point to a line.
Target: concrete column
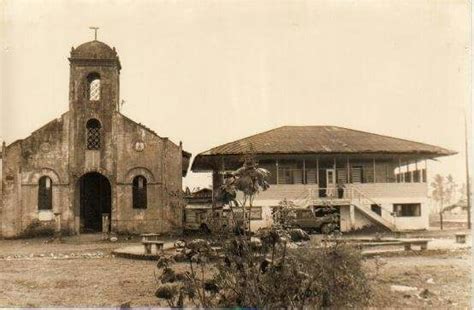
352 217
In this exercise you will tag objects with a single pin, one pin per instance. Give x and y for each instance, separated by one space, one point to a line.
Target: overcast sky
209 72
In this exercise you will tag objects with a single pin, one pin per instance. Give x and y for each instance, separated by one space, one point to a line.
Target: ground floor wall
352 218
163 213
21 216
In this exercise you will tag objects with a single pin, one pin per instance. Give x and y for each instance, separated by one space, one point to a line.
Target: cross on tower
95 32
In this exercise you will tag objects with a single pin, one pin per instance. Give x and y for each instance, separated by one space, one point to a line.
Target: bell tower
94 77
93 102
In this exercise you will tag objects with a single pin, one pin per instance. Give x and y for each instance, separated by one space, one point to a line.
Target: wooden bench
419 242
148 240
460 237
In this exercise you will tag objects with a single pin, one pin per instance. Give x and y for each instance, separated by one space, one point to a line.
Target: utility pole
468 185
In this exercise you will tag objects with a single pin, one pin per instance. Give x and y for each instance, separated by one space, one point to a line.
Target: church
92 169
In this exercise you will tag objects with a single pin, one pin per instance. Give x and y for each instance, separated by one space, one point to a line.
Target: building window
408 177
356 174
407 209
423 174
376 208
290 172
416 176
93 134
93 86
256 213
45 193
139 192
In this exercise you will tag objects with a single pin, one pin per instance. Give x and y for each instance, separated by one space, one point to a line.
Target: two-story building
371 179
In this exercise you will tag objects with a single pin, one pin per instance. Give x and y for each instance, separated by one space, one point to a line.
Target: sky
210 72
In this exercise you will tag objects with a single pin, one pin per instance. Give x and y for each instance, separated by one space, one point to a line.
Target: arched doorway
95 200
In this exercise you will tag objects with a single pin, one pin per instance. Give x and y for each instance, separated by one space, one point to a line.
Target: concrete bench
363 245
460 237
148 244
420 242
150 237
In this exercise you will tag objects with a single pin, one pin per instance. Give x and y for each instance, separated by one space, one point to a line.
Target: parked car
197 218
318 219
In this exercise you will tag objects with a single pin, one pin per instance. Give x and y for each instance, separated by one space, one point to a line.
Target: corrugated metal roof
320 140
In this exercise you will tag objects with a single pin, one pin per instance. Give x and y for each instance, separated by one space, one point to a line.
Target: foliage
284 213
443 190
249 179
265 271
38 229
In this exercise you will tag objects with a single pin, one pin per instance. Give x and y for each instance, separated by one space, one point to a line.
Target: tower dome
94 50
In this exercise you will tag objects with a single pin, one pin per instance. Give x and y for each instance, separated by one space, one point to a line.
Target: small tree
268 272
249 180
444 192
438 195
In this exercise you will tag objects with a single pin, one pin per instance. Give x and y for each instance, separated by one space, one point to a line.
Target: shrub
38 229
271 275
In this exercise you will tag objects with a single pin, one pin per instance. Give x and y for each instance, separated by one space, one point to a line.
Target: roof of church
94 50
319 140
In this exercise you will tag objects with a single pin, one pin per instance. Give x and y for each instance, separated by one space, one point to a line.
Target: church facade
92 163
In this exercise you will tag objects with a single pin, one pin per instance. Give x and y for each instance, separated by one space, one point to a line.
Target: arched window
93 134
139 192
45 193
93 86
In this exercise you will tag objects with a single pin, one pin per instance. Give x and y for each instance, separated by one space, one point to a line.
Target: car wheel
204 229
326 229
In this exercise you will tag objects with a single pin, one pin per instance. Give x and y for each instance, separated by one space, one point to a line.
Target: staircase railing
366 202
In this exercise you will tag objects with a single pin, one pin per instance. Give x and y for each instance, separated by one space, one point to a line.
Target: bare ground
82 272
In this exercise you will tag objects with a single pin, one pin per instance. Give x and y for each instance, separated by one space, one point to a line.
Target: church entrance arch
95 200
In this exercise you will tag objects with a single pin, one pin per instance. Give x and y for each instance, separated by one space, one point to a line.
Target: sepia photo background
210 72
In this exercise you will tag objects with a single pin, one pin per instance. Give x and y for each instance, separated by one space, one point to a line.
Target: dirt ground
82 272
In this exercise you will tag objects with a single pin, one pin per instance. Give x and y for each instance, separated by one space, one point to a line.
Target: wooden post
278 177
304 171
348 171
317 171
426 171
401 178
373 160
416 170
408 171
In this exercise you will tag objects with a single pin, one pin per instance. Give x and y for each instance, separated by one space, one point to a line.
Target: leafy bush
38 229
266 271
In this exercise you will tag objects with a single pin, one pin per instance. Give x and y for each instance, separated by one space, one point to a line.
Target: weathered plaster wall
160 162
43 153
59 150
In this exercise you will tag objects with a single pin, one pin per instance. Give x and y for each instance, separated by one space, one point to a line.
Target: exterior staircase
363 203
